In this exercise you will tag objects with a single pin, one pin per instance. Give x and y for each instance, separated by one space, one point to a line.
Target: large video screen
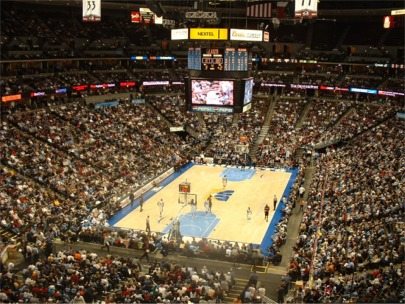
212 92
248 91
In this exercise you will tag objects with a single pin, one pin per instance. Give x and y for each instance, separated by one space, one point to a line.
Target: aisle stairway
236 290
372 127
304 113
157 111
201 120
295 220
58 193
7 235
190 130
383 84
265 128
235 119
342 37
382 39
347 113
310 34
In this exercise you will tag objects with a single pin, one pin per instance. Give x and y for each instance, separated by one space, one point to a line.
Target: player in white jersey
161 204
224 181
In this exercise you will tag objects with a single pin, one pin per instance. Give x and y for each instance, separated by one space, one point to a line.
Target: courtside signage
11 98
398 12
179 34
246 35
266 36
209 34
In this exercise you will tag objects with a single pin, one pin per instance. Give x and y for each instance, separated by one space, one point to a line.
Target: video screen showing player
248 91
212 92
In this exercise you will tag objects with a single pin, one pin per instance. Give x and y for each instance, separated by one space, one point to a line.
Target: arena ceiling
231 6
236 9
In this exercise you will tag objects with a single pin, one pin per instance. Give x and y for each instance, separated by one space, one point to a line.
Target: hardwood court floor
205 180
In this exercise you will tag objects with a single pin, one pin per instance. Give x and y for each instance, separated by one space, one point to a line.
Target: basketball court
228 218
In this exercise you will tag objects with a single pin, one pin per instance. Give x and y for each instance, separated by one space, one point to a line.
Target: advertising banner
208 34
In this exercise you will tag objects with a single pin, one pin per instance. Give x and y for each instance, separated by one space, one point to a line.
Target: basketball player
106 242
146 249
161 204
147 224
206 206
193 206
210 203
224 181
131 199
266 212
274 202
141 203
249 214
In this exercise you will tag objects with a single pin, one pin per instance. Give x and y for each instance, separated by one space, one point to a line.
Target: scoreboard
236 59
219 79
219 59
212 60
194 59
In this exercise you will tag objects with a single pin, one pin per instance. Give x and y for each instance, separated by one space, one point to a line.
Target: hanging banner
135 17
306 8
91 10
147 16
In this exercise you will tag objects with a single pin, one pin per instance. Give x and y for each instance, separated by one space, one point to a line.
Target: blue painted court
197 224
238 175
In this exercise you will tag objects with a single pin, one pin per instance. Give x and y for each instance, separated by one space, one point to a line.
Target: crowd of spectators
321 115
351 231
43 80
340 76
71 177
96 72
328 79
282 77
361 117
189 246
88 134
64 169
280 144
361 81
233 137
394 84
81 160
174 109
77 160
85 277
280 234
25 203
37 33
123 142
326 121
